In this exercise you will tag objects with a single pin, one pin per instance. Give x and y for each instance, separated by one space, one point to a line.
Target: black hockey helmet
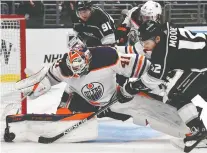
82 5
149 30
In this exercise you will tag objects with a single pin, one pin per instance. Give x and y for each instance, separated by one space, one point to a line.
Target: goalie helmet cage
13 58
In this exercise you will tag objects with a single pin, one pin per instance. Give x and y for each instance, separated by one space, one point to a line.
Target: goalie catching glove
35 85
130 88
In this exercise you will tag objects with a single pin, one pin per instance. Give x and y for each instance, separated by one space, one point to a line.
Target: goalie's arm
131 65
135 49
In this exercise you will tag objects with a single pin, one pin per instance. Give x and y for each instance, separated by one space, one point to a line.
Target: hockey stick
47 140
11 106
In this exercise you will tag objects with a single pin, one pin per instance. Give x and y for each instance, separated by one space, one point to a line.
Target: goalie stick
47 140
14 105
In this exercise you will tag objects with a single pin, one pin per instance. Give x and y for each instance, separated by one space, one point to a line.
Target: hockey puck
9 137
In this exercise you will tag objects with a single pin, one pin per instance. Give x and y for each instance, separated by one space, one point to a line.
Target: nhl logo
93 91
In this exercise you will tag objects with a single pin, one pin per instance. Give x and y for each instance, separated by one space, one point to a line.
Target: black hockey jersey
99 27
179 49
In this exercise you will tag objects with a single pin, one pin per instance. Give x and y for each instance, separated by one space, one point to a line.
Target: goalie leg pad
161 117
30 126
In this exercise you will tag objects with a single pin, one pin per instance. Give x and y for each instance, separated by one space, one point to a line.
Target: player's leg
187 87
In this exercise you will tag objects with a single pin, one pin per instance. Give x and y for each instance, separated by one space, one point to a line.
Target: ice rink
114 136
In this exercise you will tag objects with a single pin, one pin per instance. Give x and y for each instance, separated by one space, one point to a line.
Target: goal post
13 59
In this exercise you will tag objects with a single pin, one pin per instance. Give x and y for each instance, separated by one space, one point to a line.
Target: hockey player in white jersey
127 31
92 75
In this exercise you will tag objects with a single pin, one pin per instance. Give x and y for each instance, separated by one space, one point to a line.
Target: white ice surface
114 136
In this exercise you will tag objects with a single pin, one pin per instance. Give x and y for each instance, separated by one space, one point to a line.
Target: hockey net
13 63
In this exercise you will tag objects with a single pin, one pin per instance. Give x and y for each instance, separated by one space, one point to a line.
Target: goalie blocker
28 127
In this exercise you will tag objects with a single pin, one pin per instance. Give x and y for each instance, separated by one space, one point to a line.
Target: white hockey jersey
137 48
99 84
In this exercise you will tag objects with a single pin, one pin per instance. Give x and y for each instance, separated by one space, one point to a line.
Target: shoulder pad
103 56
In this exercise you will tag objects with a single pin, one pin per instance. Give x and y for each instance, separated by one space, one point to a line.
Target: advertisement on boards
44 46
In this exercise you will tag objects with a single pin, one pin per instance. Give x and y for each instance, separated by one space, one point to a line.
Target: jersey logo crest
93 91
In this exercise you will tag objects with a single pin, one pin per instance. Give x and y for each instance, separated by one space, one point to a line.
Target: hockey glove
121 34
35 85
123 96
134 86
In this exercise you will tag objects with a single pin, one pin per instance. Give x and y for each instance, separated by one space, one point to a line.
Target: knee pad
186 109
188 112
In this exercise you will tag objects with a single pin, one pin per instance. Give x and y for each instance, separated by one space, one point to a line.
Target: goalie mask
151 11
78 60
